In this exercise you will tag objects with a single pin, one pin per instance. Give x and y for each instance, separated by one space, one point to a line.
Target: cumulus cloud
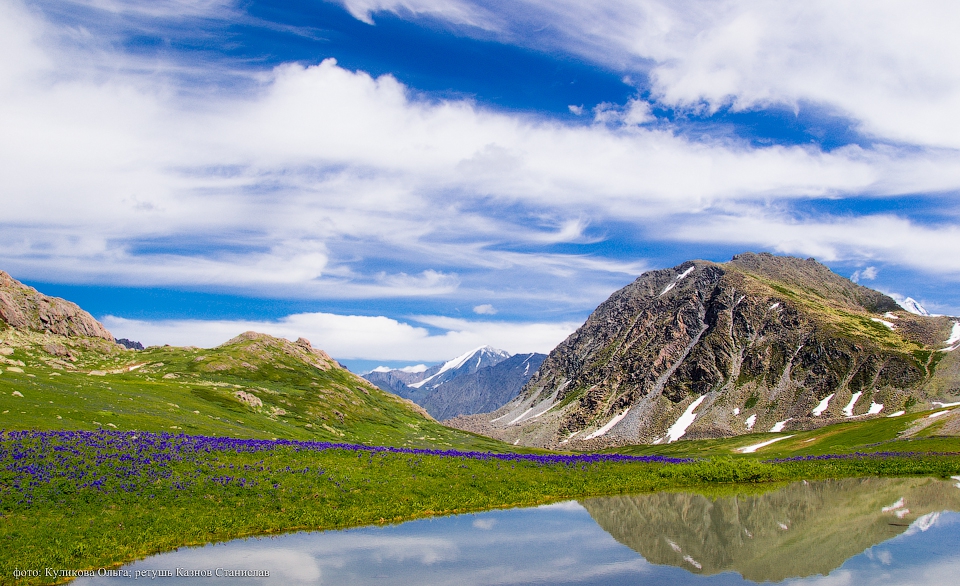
485 309
326 182
355 336
868 274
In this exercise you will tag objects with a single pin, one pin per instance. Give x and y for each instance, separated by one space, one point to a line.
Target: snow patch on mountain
822 406
678 429
675 281
603 430
954 335
848 410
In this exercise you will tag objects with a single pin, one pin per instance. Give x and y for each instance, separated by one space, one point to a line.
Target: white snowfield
848 410
938 414
751 421
755 447
875 408
883 321
778 426
679 428
891 315
774 306
945 405
519 417
675 281
952 341
603 430
822 405
897 414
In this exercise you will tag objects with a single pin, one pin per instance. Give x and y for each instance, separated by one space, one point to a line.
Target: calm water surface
855 531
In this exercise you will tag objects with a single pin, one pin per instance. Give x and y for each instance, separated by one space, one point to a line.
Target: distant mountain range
706 350
481 380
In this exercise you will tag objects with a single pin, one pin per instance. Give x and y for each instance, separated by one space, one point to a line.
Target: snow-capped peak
913 306
461 360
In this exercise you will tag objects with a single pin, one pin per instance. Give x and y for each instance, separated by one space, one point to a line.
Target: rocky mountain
474 382
760 343
483 390
396 380
25 308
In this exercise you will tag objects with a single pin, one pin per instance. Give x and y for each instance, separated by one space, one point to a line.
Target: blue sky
402 180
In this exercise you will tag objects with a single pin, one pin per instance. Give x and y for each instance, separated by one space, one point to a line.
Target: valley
174 446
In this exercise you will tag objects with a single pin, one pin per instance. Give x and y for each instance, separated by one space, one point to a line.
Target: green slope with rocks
60 369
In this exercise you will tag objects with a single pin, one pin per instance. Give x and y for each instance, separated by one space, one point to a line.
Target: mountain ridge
709 349
482 379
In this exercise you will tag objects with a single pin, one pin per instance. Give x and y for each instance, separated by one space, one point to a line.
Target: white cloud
456 12
354 336
868 274
868 238
888 66
485 309
332 183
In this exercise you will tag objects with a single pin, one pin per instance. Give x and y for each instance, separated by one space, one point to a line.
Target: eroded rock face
23 307
711 350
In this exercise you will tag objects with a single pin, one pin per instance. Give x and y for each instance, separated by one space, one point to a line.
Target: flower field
80 500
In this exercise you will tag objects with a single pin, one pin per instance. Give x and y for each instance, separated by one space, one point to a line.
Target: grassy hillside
913 432
254 386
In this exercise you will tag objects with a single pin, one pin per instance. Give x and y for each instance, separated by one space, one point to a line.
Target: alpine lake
863 531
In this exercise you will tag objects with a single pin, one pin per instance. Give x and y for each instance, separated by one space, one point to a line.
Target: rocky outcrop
25 308
253 349
711 350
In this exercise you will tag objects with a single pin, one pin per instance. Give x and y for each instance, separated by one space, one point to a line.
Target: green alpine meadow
109 454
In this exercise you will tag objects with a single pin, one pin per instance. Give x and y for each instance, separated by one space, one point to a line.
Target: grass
882 434
112 497
858 326
193 390
100 500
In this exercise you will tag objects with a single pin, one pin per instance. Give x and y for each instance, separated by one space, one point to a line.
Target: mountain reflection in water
859 531
804 529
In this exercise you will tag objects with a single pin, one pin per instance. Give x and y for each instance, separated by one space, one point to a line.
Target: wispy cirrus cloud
886 66
314 180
